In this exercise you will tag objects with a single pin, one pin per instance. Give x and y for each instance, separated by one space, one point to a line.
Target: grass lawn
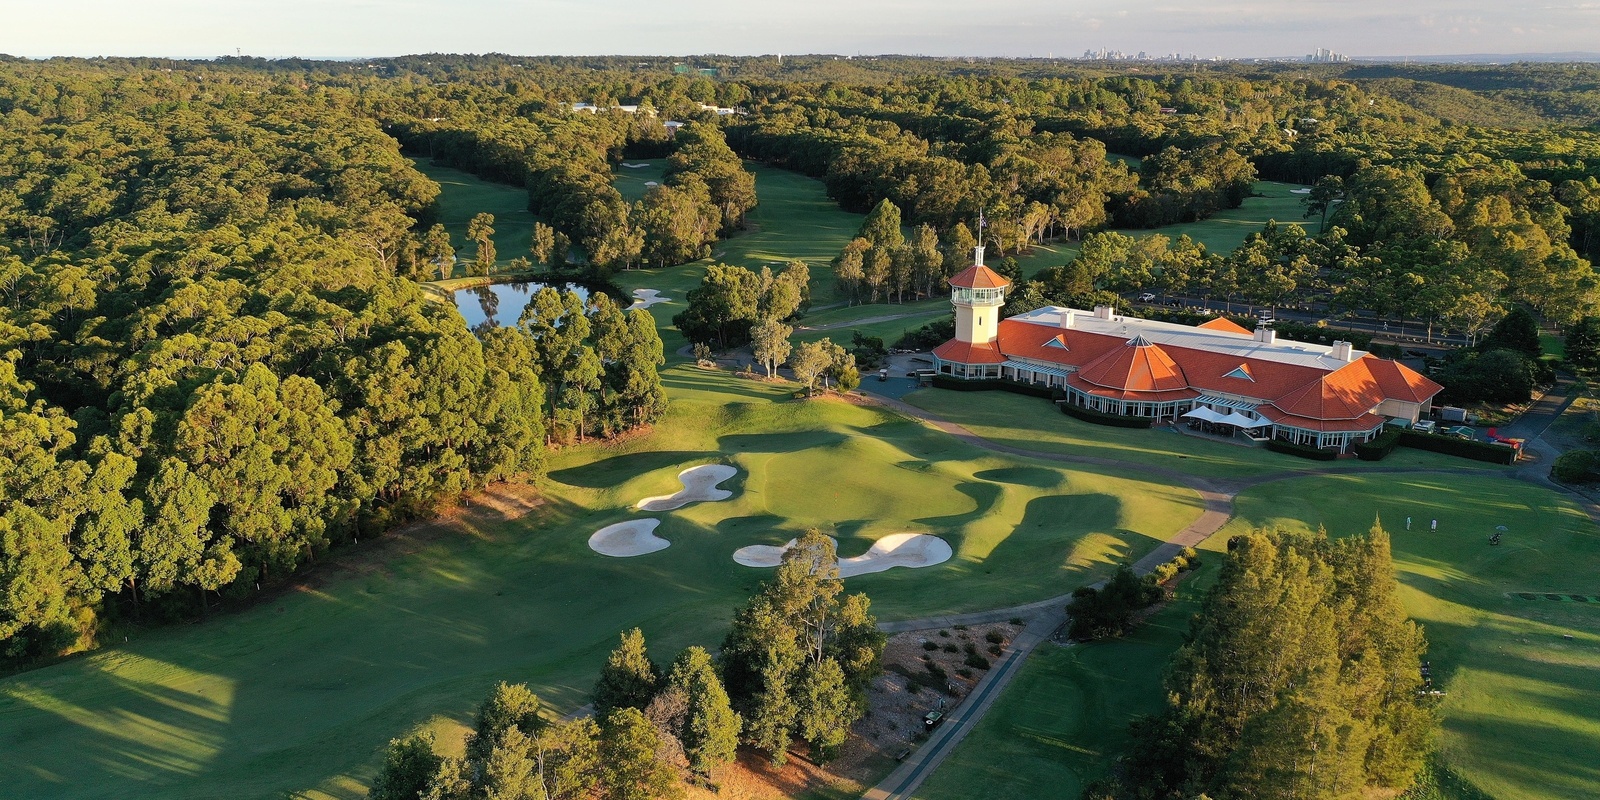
1036 424
466 195
1522 714
795 220
299 694
1065 716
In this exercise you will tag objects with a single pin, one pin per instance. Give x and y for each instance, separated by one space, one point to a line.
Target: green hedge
1303 451
1576 466
1102 418
1465 448
994 384
1380 447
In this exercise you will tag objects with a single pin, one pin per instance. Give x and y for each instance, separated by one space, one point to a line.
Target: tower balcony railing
978 296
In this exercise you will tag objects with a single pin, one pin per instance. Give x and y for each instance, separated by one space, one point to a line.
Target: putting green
1521 714
299 693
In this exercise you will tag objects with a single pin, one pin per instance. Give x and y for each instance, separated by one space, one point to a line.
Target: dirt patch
891 727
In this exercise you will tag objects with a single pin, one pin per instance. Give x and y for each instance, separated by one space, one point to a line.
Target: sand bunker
635 166
645 298
699 484
912 550
1299 191
635 537
651 184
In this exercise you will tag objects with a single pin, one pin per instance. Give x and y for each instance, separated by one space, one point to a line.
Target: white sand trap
635 166
645 298
635 537
699 484
911 550
651 184
1299 191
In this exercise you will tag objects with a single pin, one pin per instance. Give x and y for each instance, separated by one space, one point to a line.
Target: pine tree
507 706
710 731
408 767
826 709
1300 679
629 679
630 766
481 231
543 242
882 226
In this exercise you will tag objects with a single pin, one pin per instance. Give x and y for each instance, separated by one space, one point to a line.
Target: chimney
977 256
1102 312
1342 351
1266 335
1069 318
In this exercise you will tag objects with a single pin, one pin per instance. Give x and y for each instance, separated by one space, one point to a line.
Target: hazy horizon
998 28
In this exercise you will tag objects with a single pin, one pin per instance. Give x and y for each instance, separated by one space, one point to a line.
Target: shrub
995 637
1380 447
1102 418
969 648
929 336
1016 621
976 661
950 648
994 384
930 645
964 672
1577 466
995 650
1303 451
1466 448
1108 612
1498 376
945 634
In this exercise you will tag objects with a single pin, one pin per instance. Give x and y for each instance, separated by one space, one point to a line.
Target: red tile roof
969 353
1342 394
1224 324
1120 394
1400 381
979 277
1137 366
1365 422
1302 395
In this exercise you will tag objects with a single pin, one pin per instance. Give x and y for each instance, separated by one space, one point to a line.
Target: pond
501 304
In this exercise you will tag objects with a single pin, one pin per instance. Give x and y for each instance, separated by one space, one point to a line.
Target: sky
1061 28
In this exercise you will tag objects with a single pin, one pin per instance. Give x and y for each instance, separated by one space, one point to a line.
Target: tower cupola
978 292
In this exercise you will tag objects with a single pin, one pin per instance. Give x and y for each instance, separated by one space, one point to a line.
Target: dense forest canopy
218 364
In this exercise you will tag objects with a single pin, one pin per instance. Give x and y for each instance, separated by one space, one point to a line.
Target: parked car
1147 297
1426 426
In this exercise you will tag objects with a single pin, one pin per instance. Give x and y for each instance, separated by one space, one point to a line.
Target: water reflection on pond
501 304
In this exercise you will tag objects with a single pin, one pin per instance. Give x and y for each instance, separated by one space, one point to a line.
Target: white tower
978 292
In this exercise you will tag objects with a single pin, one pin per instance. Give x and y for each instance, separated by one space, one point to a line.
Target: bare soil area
897 702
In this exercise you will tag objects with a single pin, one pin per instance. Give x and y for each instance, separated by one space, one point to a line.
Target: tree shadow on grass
609 472
779 442
694 378
1038 477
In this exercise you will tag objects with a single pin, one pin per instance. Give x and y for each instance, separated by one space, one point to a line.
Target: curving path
1045 616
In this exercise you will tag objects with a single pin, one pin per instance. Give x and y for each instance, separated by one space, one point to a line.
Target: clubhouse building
1217 373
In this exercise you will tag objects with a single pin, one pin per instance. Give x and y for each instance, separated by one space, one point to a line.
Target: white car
1147 297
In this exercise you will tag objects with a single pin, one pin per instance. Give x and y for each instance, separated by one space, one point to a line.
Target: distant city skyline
1063 29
